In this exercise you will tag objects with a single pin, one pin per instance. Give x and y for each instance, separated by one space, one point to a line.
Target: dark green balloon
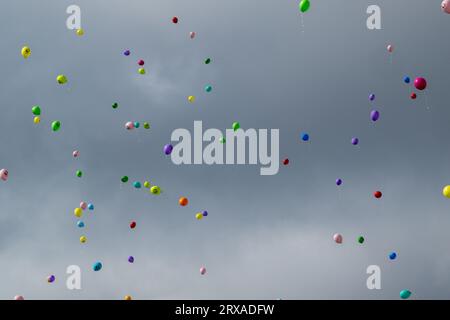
361 239
207 60
124 179
115 105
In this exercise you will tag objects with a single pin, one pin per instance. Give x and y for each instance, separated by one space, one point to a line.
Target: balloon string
302 25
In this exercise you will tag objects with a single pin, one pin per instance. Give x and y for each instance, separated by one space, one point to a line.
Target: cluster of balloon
286 161
200 215
304 5
236 126
168 149
420 84
445 5
392 256
36 110
337 238
80 32
4 174
202 271
26 52
51 278
405 294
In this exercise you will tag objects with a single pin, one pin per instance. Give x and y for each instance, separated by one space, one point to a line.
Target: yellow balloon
26 51
146 184
199 216
191 99
155 190
80 32
446 191
128 298
78 212
83 239
141 71
37 120
61 79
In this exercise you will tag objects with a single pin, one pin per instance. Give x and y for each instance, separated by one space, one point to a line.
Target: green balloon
36 110
361 239
207 60
304 5
115 105
146 125
79 173
56 125
124 179
405 294
208 88
236 126
223 140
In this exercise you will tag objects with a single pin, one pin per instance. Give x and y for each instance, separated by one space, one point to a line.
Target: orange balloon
183 201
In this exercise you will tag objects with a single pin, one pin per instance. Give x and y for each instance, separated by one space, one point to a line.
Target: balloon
205 213
78 212
75 153
97 266
19 298
168 149
371 97
4 174
141 71
338 182
420 83
445 191
115 105
146 125
355 141
192 34
286 161
222 140
79 173
124 179
405 294
236 126
129 125
128 298
90 206
208 88
36 110
199 216
51 278
390 48
83 205
155 190
130 259
80 224
56 125
392 255
413 96
191 99
183 201
445 5
406 79
207 60
304 5
26 51
80 32
374 115
61 79
127 52
136 125
37 120
202 271
377 194
361 239
133 224
83 239
337 238
137 184
175 19
305 136
146 184
141 62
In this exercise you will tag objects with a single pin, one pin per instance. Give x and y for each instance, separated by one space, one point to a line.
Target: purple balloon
127 52
371 97
130 259
355 141
338 182
374 115
168 149
205 213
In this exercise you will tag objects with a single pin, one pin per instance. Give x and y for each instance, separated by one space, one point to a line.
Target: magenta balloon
420 83
337 238
445 5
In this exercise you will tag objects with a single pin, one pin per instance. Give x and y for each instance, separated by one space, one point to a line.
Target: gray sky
266 237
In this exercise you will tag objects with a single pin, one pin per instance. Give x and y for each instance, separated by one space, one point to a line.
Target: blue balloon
90 206
406 79
136 124
97 266
137 185
80 224
392 255
305 136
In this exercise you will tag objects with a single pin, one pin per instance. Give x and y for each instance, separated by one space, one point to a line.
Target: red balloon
286 162
420 83
133 224
413 96
175 20
141 62
377 194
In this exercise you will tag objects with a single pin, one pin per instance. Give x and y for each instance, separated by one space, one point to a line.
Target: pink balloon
19 298
129 125
390 48
83 205
4 174
337 238
192 34
445 5
420 83
75 153
202 270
